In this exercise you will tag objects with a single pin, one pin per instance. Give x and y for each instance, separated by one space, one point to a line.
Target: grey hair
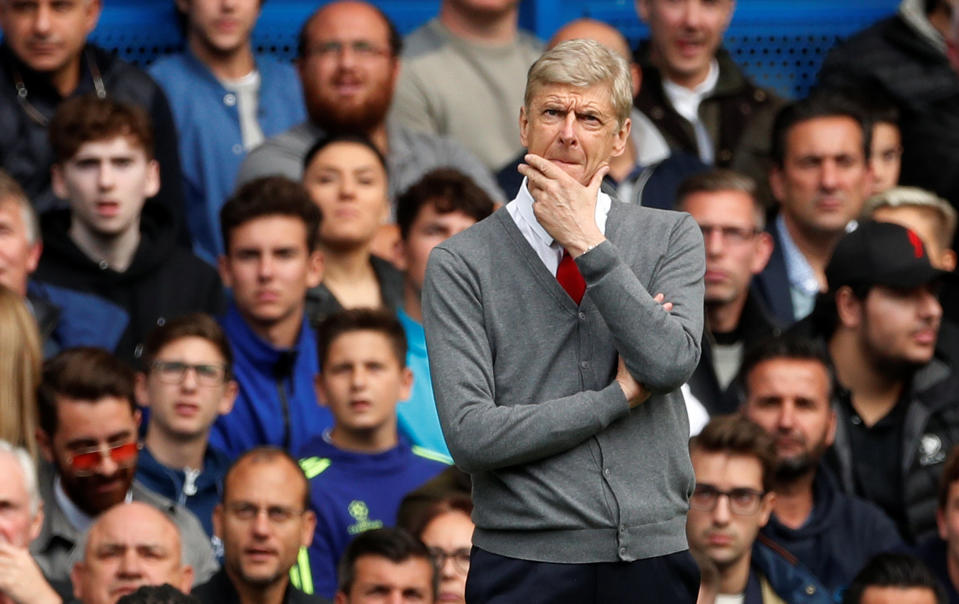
902 197
29 470
11 191
583 63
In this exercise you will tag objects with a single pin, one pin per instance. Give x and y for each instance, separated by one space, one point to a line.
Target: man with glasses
88 435
787 386
724 205
733 459
348 62
187 384
263 521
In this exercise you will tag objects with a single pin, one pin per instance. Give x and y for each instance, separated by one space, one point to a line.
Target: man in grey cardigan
555 368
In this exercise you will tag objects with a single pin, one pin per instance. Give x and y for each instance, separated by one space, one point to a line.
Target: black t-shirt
877 458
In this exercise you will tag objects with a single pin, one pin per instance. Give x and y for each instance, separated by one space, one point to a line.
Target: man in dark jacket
44 59
110 243
723 203
941 552
897 402
695 94
734 460
905 56
787 388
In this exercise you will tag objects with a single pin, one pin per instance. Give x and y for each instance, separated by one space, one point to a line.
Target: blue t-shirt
354 492
417 414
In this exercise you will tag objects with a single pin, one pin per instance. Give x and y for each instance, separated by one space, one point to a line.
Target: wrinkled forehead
134 529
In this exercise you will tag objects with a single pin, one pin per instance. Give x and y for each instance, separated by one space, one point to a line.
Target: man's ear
57 181
92 16
949 260
764 249
776 183
140 390
230 391
223 267
523 125
320 389
45 442
849 308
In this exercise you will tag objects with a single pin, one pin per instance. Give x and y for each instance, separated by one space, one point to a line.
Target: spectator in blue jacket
270 229
225 101
360 470
734 460
187 383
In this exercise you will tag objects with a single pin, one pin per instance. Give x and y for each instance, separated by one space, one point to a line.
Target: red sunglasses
86 461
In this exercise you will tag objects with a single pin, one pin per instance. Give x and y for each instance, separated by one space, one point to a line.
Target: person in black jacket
787 384
110 243
44 60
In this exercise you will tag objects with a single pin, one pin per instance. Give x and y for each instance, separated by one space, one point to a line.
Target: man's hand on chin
565 208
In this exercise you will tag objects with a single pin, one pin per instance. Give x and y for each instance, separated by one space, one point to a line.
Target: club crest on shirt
360 512
930 450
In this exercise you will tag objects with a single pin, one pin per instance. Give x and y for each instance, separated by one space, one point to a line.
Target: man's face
379 580
270 267
18 526
186 408
429 229
18 257
130 546
789 399
824 178
347 68
348 183
221 27
362 381
885 157
725 537
685 35
924 222
735 248
484 9
899 327
262 521
106 184
85 428
48 35
573 127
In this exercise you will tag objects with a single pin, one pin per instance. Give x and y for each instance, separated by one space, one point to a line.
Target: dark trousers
494 579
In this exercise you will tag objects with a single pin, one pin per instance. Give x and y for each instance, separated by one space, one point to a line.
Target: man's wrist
584 245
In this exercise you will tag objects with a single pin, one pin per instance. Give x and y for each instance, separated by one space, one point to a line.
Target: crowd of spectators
214 379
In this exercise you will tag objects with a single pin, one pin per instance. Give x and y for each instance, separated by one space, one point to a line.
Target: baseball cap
881 253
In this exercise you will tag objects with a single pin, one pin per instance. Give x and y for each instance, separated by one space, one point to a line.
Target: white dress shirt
549 251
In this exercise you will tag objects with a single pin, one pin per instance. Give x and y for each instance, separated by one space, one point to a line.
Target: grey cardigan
563 470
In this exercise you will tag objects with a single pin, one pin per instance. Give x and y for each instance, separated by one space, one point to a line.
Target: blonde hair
21 358
902 197
583 63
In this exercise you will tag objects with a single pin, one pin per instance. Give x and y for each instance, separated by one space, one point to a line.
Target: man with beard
896 401
88 436
787 386
348 61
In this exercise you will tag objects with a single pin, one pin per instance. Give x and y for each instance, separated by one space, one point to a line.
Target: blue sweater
170 483
211 142
276 404
417 414
354 492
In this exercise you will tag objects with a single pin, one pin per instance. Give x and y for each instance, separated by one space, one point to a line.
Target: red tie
570 278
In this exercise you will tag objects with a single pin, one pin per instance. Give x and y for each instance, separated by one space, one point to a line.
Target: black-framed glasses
728 233
459 557
84 462
174 372
742 501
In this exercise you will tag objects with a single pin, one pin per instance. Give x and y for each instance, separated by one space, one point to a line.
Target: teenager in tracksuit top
270 229
360 469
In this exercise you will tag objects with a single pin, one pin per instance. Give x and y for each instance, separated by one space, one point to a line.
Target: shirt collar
524 206
800 274
687 100
77 518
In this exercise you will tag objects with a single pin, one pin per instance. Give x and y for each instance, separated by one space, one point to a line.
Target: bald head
591 29
130 545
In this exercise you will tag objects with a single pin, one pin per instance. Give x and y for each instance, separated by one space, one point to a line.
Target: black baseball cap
881 253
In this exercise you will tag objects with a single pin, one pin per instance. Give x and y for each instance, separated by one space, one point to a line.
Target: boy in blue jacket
361 468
